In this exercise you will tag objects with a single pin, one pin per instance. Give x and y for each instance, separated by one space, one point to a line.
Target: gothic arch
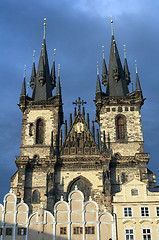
39 131
83 184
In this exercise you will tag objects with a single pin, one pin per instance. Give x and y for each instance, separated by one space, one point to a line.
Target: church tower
97 162
119 117
42 117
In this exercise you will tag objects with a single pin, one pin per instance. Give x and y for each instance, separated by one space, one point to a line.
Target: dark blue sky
77 29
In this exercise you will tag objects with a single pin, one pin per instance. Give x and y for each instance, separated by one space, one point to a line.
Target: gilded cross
79 103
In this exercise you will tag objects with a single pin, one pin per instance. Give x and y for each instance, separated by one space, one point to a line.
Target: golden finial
44 27
58 70
33 56
54 53
112 25
24 71
27 88
136 66
124 51
103 51
97 68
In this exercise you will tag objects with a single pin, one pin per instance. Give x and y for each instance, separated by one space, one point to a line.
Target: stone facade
97 162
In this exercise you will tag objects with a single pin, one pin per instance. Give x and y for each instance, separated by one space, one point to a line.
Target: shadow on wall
74 219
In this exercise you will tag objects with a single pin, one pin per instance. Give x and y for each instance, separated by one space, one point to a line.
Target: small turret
58 88
138 86
126 68
53 74
104 71
22 103
98 84
33 74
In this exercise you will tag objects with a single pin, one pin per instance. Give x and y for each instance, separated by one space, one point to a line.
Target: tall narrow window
35 197
39 132
120 128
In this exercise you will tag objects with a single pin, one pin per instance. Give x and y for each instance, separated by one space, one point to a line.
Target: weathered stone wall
28 141
134 138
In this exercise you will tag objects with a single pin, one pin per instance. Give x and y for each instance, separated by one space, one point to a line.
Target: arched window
39 131
120 128
35 197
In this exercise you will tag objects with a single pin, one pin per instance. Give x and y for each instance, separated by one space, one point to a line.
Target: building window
120 128
22 231
129 234
89 230
63 230
1 230
77 230
39 131
145 212
146 234
134 192
9 231
127 212
157 211
35 197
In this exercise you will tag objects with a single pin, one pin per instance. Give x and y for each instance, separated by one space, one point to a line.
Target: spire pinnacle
138 86
112 26
97 68
54 54
27 88
103 51
124 51
24 71
58 88
23 92
58 70
33 56
44 28
136 66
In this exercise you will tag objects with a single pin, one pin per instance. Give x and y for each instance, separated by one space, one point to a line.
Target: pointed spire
53 75
43 87
126 68
117 82
23 92
98 85
33 74
138 86
104 70
58 88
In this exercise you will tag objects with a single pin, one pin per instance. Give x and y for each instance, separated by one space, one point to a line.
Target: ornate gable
80 140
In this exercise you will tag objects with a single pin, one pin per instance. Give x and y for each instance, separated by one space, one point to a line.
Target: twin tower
98 164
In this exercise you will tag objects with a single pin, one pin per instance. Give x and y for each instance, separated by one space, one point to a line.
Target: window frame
90 230
146 228
77 230
144 211
9 231
129 233
127 207
38 200
125 128
63 230
157 211
19 231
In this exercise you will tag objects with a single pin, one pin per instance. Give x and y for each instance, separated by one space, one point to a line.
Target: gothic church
97 162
